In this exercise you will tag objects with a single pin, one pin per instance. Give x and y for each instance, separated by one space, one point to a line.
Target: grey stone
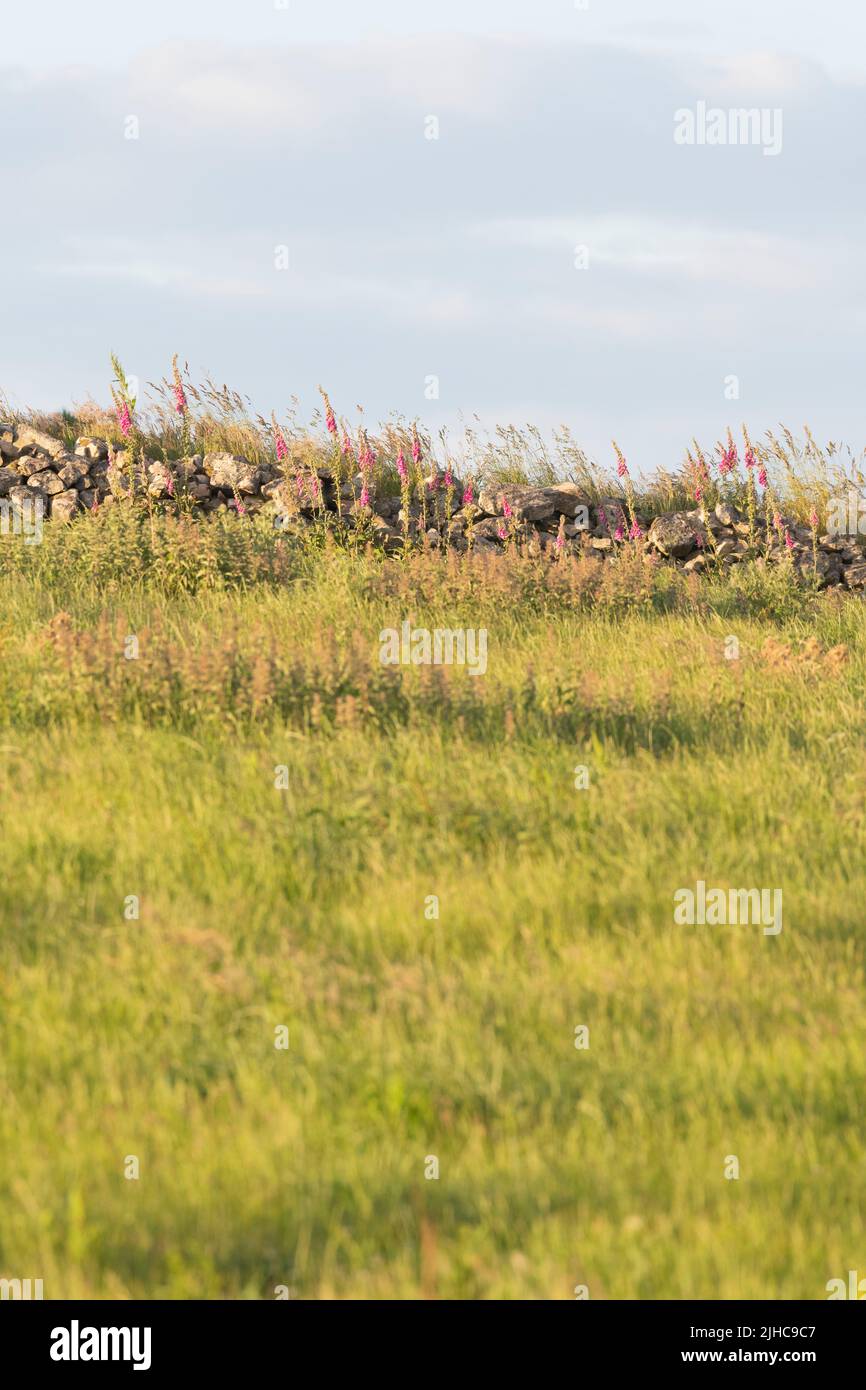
232 472
28 438
47 481
674 535
65 505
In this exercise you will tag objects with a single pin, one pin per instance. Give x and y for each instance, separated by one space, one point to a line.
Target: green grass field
413 1037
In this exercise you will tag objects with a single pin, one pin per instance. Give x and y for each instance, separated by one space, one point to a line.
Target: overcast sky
303 125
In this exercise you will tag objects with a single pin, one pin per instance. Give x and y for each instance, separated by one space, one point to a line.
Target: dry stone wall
35 466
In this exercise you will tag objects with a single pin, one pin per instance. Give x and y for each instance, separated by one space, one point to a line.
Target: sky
254 186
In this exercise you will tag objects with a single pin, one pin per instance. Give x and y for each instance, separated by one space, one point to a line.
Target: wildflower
788 542
281 445
813 519
124 419
330 420
401 466
449 476
750 459
622 468
619 534
416 446
502 533
365 496
347 444
699 494
468 495
635 533
762 477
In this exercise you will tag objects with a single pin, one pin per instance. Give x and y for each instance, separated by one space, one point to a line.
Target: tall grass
304 901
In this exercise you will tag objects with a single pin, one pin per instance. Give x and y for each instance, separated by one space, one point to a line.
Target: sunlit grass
413 1036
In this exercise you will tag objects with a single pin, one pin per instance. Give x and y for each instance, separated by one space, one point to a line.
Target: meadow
431 881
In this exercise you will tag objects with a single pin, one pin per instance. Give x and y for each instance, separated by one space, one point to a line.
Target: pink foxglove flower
401 466
635 532
347 444
281 445
502 533
813 519
124 419
468 495
365 496
788 542
750 459
762 477
622 468
506 509
619 534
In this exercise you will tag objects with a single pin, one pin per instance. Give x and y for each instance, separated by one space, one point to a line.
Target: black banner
151 1339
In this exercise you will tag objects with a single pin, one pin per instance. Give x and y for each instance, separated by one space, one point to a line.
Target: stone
232 472
527 503
27 438
725 548
727 514
488 528
47 480
72 472
567 498
27 464
160 480
92 448
674 535
696 565
8 479
64 505
854 576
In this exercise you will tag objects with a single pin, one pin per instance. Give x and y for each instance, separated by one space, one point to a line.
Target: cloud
455 256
